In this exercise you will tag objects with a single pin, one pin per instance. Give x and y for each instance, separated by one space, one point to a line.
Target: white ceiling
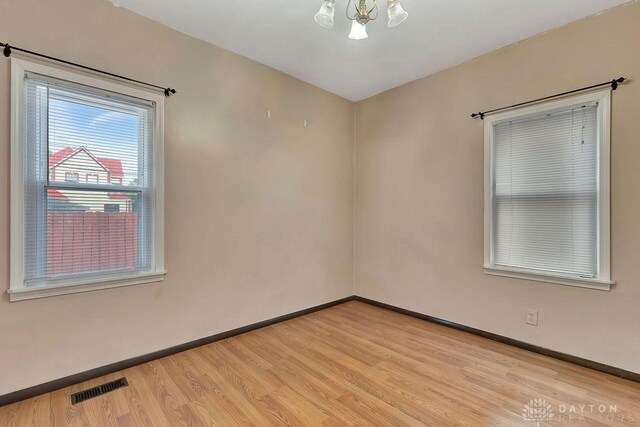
438 34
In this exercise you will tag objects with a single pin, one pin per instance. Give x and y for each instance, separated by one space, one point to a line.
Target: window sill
27 293
598 284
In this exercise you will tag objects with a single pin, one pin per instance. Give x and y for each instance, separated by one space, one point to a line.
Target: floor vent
98 391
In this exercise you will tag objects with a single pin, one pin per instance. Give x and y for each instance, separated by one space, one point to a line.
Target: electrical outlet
531 317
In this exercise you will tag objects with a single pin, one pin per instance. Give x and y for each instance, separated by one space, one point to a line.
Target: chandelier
362 12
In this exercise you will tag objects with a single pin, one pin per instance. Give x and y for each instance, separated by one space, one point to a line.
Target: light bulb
358 31
397 14
324 16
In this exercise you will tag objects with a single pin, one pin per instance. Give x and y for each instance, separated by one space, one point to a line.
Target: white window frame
603 279
17 290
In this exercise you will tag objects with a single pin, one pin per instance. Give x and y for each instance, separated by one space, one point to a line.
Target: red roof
112 165
56 194
56 158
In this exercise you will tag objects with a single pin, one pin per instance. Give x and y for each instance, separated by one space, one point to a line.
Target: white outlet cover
531 317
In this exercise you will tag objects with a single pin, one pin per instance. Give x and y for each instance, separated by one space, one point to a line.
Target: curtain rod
8 50
613 83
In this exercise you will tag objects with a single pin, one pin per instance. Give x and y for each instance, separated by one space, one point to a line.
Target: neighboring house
81 166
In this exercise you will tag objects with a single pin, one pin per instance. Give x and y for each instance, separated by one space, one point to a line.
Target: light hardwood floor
353 364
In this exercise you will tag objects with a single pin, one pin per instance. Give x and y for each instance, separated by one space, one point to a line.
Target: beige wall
259 213
419 191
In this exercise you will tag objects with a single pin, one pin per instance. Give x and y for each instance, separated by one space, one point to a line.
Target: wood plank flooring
352 364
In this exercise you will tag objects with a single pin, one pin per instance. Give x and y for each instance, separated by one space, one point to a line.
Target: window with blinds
545 192
89 175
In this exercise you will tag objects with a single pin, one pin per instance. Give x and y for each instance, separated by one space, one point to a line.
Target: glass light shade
325 15
358 31
397 14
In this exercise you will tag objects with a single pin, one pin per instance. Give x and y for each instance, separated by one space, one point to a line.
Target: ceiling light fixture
324 16
363 12
358 31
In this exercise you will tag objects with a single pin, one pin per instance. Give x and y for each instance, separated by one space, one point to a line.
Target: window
71 177
547 192
68 234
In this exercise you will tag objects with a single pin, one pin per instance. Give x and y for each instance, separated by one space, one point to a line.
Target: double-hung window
547 192
87 185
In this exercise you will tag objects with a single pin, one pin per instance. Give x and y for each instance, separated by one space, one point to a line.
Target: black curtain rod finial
614 83
481 115
168 92
7 50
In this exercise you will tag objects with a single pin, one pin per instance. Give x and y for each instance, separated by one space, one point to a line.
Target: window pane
555 234
545 207
91 231
102 139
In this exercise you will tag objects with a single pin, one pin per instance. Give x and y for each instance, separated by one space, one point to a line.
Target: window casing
70 234
547 192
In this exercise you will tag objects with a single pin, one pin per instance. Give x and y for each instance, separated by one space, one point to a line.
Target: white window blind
545 194
88 182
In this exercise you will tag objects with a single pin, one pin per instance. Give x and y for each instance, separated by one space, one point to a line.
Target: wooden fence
88 241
